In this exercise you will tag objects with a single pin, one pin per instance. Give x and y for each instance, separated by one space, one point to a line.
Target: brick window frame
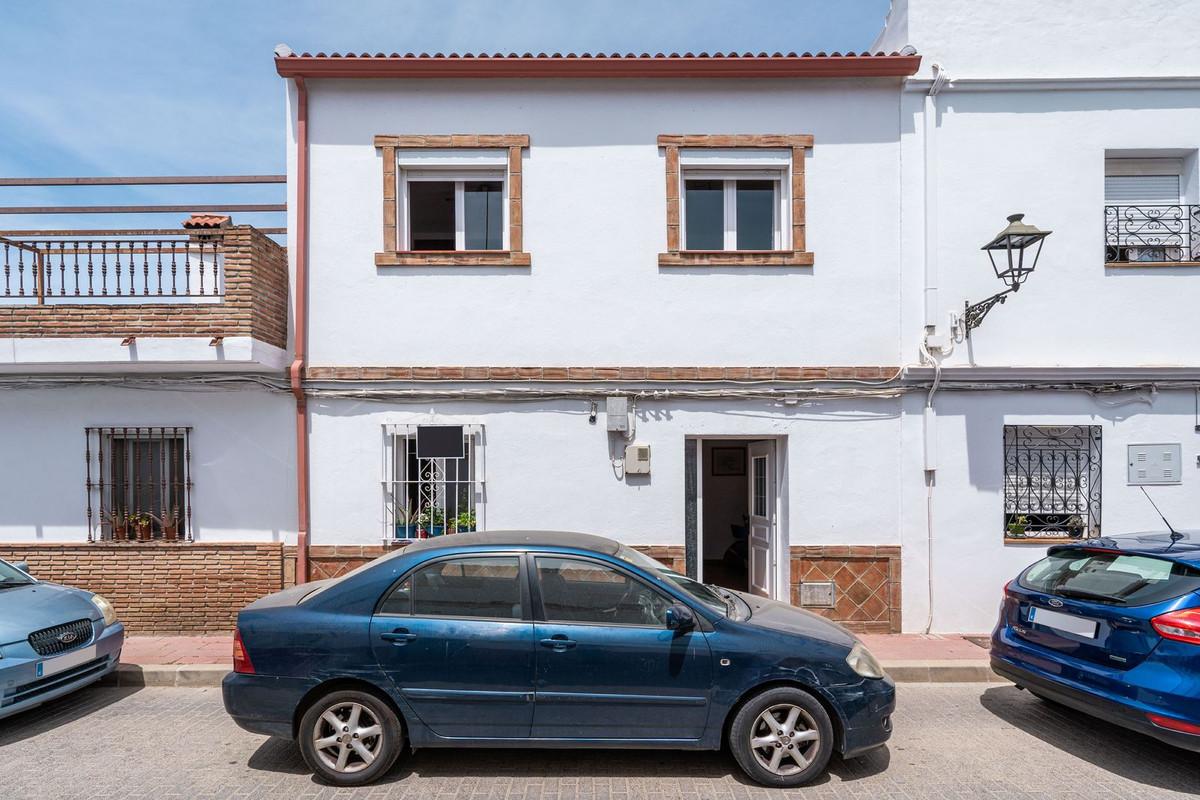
393 256
676 256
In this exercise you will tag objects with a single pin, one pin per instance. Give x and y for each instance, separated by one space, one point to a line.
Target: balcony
210 295
1152 235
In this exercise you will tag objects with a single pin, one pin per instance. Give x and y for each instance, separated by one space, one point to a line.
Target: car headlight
106 608
863 663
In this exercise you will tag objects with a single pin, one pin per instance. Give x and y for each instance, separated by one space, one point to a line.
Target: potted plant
431 522
120 526
169 524
464 522
143 524
406 525
1017 528
1074 526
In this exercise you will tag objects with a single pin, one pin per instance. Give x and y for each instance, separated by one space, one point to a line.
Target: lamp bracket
974 313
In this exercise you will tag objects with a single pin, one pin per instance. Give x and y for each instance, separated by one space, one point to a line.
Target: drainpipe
300 332
929 416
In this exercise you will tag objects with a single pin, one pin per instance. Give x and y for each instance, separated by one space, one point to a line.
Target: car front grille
61 638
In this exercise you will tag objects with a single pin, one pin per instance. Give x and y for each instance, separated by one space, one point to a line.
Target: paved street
952 741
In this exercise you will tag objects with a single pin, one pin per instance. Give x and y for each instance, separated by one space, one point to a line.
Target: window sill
1043 540
453 258
1149 264
736 258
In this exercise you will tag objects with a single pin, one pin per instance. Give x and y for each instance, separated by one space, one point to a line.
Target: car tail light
241 661
1174 724
1182 625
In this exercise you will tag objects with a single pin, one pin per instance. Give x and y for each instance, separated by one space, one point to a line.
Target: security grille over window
1051 481
139 483
432 480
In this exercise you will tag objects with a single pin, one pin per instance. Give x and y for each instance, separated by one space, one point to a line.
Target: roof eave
881 66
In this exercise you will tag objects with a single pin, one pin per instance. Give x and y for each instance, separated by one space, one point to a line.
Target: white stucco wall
1038 39
1042 153
547 468
243 459
971 563
594 222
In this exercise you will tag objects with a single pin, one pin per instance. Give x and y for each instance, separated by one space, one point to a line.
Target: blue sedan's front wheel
350 737
782 737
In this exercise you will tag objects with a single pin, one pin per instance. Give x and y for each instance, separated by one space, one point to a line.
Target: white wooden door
761 473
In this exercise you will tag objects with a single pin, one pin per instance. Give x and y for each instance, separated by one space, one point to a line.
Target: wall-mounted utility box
616 412
637 459
1155 464
818 594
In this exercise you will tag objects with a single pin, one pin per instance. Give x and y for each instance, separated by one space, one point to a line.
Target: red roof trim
512 65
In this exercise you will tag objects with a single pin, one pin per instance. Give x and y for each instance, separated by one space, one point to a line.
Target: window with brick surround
452 200
735 200
139 483
432 480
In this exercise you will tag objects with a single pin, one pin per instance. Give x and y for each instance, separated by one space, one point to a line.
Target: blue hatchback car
548 640
1111 627
53 639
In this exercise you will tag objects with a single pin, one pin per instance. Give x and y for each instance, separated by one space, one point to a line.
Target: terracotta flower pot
120 531
145 531
171 531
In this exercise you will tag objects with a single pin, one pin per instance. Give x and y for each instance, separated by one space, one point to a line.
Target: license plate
53 666
1063 622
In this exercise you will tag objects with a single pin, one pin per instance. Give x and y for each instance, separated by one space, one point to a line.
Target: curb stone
210 675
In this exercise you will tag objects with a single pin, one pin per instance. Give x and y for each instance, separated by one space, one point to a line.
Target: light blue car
53 639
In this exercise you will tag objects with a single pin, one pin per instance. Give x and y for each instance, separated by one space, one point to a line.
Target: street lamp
1012 260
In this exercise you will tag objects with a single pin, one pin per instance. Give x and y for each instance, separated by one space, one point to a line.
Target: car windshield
714 597
11 576
1111 577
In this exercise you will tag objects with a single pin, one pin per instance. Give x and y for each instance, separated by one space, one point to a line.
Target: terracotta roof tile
207 221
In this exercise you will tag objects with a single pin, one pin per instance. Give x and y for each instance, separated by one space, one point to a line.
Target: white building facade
714 307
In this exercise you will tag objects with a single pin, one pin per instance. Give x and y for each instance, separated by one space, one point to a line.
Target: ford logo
1054 601
69 636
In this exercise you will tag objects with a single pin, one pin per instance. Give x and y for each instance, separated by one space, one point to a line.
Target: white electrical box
637 459
616 412
1155 464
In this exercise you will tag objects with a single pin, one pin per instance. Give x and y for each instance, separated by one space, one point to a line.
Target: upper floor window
735 200
1150 215
452 200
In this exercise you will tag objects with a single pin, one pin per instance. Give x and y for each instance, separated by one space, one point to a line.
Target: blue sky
145 87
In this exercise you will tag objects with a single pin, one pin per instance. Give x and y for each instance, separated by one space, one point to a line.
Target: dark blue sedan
1111 627
548 640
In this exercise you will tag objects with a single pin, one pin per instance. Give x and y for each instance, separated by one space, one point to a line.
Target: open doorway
726 513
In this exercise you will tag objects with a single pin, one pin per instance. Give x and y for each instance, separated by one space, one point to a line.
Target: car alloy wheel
350 737
784 739
347 737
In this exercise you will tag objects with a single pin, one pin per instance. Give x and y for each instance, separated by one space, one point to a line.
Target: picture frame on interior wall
728 461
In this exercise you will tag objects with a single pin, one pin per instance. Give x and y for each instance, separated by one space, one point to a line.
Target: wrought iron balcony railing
136 269
1152 234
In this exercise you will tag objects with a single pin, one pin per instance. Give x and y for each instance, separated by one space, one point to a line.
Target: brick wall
159 587
255 303
866 580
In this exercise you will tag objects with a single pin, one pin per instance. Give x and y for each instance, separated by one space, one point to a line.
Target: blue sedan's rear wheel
782 737
350 737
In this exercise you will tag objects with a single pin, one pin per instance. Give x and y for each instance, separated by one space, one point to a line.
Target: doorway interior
725 514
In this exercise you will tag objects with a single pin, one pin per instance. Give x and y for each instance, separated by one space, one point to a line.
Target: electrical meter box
1155 464
637 459
616 411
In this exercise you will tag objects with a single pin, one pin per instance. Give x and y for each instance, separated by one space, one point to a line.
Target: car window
1126 579
574 590
481 586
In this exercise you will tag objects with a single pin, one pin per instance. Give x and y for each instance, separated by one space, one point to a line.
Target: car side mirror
680 618
22 565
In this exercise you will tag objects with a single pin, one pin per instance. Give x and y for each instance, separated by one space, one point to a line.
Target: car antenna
1175 535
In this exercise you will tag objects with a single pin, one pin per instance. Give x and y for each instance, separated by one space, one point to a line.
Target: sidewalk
204 660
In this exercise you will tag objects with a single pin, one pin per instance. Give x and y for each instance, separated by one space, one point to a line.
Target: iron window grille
1152 233
139 483
426 497
1052 481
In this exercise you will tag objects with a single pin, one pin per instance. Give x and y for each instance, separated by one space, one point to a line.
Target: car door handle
398 637
558 643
